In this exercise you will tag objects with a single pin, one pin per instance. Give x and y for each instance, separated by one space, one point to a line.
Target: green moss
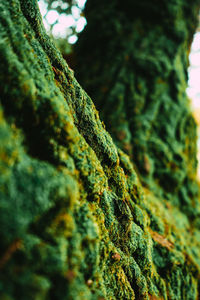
138 83
75 221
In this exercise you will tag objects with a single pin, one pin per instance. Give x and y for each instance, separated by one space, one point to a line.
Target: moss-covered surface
137 75
75 222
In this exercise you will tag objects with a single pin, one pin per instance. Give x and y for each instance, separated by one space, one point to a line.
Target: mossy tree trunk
75 221
138 81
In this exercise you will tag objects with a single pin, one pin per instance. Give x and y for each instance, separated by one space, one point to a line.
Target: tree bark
75 221
138 82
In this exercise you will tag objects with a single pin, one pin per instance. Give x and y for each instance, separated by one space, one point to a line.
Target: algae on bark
75 222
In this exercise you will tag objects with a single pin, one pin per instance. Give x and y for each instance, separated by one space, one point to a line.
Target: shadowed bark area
75 222
137 75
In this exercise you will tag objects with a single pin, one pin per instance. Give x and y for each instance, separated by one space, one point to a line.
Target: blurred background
64 20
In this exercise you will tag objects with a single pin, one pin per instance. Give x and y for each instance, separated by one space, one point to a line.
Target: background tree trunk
138 81
75 222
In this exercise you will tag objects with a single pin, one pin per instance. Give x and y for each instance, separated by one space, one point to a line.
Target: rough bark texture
138 82
75 222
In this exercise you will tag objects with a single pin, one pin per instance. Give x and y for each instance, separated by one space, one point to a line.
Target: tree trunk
138 82
75 222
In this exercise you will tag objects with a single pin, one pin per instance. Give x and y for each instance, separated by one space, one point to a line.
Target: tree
79 218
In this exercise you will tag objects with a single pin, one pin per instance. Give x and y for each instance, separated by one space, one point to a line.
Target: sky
63 28
193 89
63 21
